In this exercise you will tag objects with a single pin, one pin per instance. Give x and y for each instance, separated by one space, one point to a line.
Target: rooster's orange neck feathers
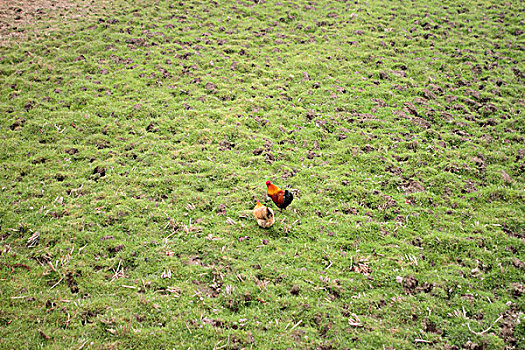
272 189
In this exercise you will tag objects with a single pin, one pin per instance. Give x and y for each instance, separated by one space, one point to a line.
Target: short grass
133 137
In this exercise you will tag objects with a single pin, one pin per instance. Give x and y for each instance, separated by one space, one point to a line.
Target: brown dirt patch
18 18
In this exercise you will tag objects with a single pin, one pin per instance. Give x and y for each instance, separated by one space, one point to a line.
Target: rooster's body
281 198
265 216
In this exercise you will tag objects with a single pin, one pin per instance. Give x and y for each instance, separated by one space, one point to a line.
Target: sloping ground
135 136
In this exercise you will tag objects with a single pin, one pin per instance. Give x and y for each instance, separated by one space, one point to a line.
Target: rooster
265 216
281 198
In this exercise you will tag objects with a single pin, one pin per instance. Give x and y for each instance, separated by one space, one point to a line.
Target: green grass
131 134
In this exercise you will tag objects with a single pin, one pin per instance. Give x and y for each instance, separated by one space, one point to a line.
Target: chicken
265 216
281 198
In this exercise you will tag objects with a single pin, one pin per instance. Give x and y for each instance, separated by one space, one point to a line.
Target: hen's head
268 183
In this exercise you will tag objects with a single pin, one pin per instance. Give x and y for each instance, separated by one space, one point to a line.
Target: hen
281 198
264 215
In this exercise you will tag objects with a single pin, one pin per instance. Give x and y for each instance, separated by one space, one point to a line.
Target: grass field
134 137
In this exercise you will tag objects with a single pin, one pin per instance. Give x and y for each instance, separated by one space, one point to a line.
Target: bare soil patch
18 17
